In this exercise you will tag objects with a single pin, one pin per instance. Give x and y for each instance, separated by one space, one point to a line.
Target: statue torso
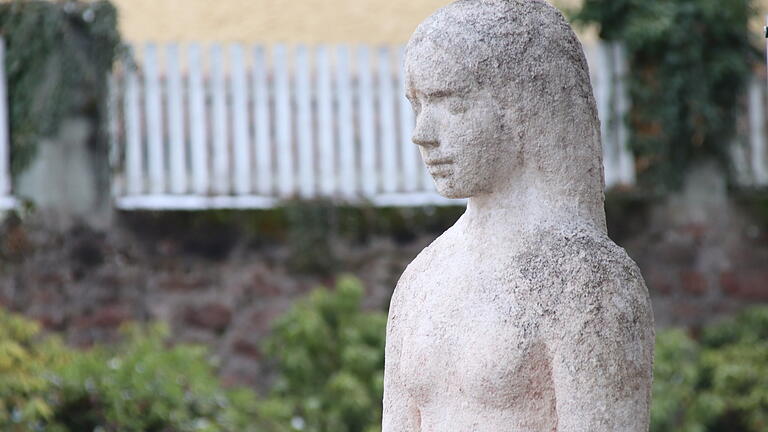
474 320
472 334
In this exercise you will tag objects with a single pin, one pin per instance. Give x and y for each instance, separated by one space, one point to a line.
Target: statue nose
425 133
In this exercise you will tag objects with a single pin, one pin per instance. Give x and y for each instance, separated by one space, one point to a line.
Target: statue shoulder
583 271
429 257
608 291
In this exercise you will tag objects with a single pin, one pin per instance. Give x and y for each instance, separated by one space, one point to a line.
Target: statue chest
469 329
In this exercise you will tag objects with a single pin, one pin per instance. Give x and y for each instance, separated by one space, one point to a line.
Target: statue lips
439 167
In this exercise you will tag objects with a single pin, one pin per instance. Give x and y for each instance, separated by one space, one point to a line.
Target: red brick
212 316
247 348
746 284
54 278
693 282
182 283
695 230
110 316
258 286
52 322
16 242
659 282
687 312
262 319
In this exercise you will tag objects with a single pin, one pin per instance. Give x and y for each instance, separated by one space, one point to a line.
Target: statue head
503 99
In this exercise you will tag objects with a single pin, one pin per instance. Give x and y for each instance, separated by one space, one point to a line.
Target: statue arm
400 413
602 363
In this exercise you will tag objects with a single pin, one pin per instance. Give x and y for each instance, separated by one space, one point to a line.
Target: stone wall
211 287
220 287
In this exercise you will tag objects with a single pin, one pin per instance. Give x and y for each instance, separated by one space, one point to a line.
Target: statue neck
521 207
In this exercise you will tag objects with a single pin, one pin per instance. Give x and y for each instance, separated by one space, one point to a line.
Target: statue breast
470 329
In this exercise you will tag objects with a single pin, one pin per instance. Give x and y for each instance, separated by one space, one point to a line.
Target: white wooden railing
6 199
750 155
244 127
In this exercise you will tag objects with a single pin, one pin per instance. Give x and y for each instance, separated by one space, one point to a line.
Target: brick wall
221 288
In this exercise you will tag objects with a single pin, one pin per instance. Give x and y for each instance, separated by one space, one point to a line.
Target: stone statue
524 316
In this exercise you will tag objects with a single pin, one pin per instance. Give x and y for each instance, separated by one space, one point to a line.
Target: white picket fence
750 155
6 199
245 126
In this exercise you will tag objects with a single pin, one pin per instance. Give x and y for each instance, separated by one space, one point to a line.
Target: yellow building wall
311 21
291 21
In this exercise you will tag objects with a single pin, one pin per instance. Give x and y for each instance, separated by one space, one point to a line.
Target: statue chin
450 190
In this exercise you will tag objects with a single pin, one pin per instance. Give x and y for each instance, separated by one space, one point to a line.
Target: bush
716 384
143 385
330 358
329 354
25 362
138 385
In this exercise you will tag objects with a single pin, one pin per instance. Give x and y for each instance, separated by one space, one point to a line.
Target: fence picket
284 138
262 123
177 140
220 127
5 172
388 144
241 143
154 116
367 125
198 123
409 153
625 162
330 121
134 158
757 138
345 123
306 156
325 123
604 94
113 123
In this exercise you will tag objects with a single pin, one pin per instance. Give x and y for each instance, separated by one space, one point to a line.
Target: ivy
58 56
690 61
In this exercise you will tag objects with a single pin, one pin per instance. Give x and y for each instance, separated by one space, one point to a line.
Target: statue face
459 125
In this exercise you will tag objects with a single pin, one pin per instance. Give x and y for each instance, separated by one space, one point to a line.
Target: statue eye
457 105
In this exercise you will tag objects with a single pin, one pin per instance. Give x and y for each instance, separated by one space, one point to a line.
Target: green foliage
139 385
142 385
58 54
329 354
25 359
689 64
718 384
330 357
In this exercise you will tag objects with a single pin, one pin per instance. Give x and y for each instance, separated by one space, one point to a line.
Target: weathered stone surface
523 316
